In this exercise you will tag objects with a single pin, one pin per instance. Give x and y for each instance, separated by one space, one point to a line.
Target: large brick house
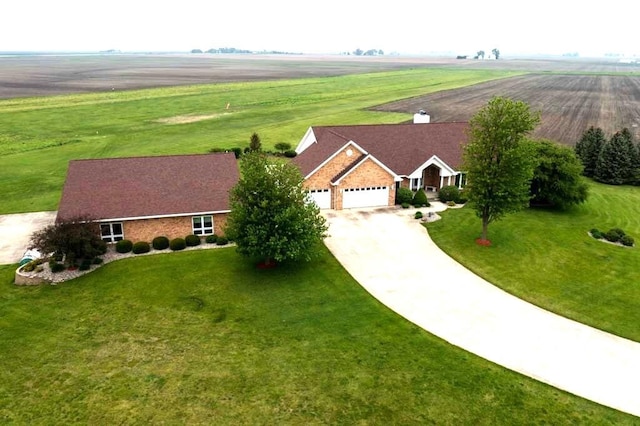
140 198
363 165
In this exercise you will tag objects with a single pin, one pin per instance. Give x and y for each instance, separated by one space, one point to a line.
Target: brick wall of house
367 174
322 178
170 227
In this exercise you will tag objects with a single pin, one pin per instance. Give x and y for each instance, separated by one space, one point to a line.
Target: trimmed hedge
449 193
418 215
420 199
124 246
85 265
141 247
614 235
404 195
160 243
222 241
627 240
405 205
596 234
211 239
56 267
290 153
177 244
192 240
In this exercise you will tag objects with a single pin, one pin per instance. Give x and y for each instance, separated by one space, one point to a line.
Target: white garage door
372 196
322 198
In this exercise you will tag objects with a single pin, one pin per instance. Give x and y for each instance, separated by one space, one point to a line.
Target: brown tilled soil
22 76
569 104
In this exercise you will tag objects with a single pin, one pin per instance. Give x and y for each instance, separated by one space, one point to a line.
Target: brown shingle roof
401 147
148 186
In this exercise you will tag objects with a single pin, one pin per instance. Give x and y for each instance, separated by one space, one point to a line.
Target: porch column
449 181
441 181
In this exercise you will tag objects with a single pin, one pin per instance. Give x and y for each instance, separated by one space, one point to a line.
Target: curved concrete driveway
16 230
391 255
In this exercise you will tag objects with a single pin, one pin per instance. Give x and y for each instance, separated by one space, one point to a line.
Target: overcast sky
327 26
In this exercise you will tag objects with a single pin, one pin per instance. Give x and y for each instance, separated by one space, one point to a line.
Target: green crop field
38 136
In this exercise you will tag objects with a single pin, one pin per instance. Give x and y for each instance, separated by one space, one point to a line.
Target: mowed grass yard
39 136
548 258
204 337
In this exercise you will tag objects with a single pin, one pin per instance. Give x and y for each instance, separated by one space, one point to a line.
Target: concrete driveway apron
16 230
391 255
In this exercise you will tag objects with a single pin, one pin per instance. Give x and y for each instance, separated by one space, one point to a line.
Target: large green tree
271 217
588 149
618 159
557 179
499 165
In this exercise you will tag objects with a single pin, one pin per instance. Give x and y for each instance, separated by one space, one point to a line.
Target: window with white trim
202 225
111 232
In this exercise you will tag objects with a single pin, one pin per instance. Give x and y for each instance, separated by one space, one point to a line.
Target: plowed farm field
569 104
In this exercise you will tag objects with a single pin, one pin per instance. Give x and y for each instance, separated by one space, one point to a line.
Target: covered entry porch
433 175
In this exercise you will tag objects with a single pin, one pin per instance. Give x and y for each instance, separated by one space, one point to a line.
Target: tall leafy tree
496 53
498 164
271 217
588 149
557 179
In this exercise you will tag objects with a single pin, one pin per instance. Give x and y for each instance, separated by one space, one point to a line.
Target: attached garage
322 198
372 196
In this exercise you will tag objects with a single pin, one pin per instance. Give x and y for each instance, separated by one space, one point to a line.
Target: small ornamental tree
499 166
76 238
588 149
254 143
616 164
557 179
271 216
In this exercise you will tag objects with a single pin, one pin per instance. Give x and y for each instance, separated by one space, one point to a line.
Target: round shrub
462 197
449 193
420 199
124 246
98 260
222 241
290 153
237 151
211 239
451 203
85 265
56 267
405 205
177 244
418 215
160 243
596 234
404 195
627 240
141 247
614 235
192 240
101 247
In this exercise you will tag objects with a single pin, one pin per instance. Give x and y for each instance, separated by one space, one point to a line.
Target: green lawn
204 337
39 136
548 258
